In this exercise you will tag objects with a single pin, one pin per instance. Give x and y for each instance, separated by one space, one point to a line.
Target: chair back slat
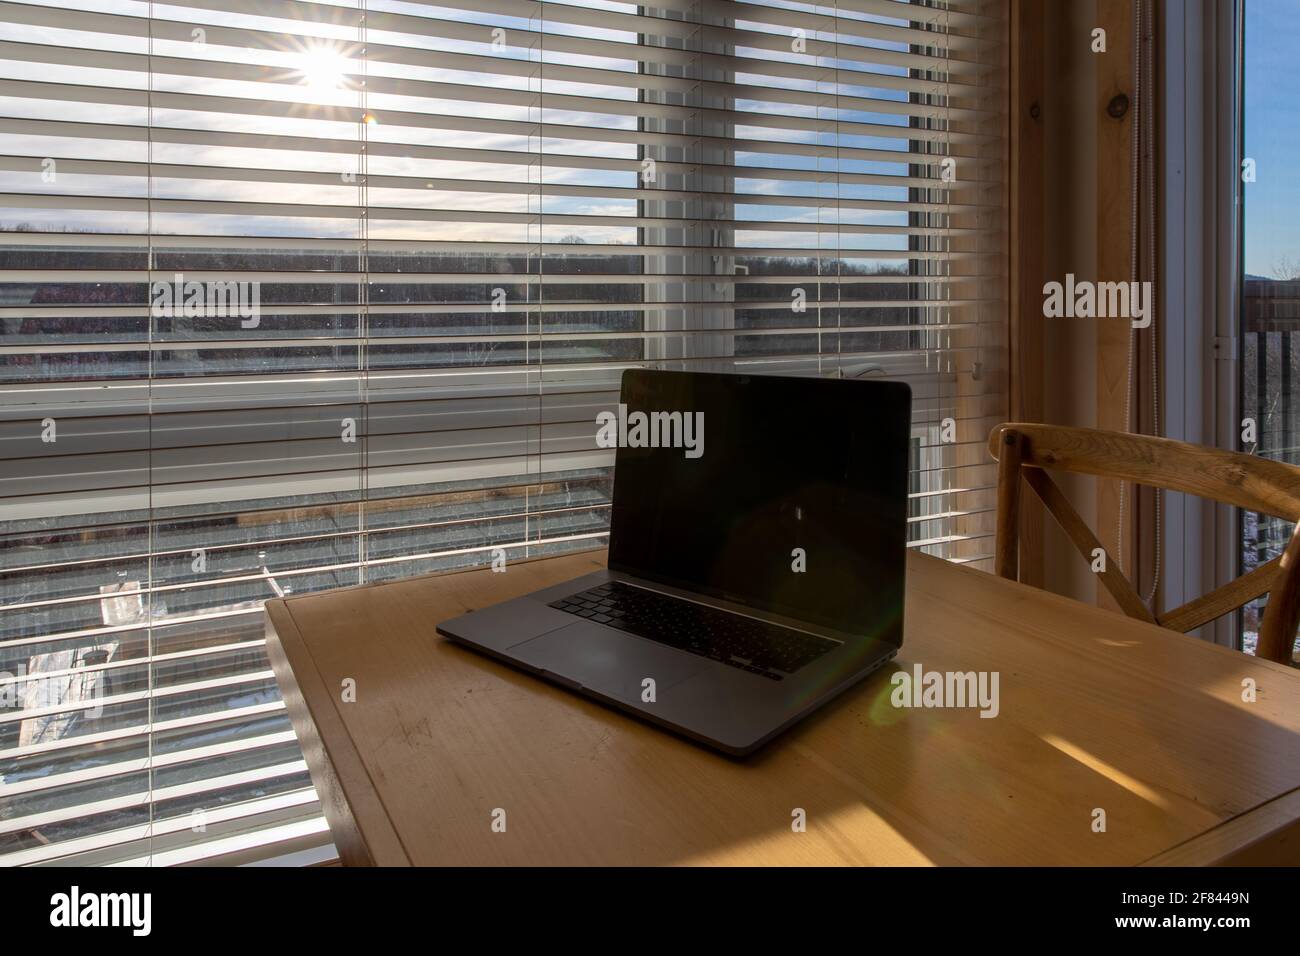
1256 484
1221 600
1232 477
1077 530
1282 614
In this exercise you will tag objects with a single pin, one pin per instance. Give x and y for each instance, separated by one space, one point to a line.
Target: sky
296 60
1272 136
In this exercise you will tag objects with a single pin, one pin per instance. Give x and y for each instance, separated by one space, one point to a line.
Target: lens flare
323 68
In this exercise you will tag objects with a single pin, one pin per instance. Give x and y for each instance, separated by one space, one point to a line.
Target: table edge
311 706
1265 835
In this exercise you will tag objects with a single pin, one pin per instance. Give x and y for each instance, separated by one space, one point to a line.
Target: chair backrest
1256 484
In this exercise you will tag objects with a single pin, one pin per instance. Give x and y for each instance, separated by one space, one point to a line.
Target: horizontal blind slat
824 176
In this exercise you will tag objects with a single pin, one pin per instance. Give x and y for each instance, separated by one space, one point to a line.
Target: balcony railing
1270 399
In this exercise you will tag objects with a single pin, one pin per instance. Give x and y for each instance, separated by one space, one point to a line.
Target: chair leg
1006 549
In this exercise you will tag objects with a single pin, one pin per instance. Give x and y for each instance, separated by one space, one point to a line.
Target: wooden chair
1256 484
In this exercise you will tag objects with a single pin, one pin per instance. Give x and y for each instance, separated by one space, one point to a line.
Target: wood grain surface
1097 711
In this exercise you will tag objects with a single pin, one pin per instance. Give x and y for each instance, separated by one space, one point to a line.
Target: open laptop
756 556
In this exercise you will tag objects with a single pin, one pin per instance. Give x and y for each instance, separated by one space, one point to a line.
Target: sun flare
323 68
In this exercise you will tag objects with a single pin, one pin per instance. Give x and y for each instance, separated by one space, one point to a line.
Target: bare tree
1287 267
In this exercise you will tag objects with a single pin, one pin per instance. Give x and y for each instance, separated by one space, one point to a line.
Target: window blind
306 295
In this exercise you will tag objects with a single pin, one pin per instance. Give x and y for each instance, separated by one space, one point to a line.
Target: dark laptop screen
796 503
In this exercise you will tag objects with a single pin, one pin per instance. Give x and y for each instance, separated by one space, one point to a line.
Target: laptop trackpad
607 661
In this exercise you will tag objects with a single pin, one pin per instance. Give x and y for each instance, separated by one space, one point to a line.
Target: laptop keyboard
743 642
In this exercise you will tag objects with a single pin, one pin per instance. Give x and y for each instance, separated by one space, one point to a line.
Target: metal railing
1270 408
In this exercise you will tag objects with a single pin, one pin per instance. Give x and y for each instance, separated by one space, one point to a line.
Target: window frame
1200 262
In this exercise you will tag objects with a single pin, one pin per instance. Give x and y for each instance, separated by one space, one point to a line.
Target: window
305 295
1270 308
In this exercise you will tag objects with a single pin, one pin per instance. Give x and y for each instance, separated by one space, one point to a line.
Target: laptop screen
783 494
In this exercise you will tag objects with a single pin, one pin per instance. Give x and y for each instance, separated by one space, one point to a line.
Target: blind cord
149 322
1148 57
363 312
1142 186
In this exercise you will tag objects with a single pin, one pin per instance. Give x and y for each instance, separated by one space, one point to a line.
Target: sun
323 67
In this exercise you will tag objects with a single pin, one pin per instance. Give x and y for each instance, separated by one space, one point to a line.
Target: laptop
757 546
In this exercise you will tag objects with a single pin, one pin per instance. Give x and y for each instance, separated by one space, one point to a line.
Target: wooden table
1097 712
